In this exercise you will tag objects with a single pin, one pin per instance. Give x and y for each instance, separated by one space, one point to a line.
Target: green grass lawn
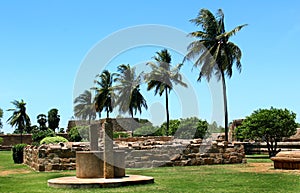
216 178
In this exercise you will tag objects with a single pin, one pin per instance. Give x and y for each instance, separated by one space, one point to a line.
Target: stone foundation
287 160
141 154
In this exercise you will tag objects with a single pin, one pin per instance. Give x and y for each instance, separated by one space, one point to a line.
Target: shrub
1 140
79 133
57 139
18 153
192 128
121 134
147 130
38 135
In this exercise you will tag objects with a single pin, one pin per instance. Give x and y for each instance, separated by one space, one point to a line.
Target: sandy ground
264 168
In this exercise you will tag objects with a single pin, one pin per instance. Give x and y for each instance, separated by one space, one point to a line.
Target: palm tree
162 77
129 98
84 107
19 117
42 120
104 99
215 54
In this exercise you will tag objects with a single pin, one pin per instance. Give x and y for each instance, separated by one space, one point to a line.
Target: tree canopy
269 125
53 119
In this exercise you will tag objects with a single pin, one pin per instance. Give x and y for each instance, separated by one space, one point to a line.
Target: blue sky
43 45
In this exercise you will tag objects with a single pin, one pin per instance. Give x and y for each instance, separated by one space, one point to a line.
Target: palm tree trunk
225 105
167 110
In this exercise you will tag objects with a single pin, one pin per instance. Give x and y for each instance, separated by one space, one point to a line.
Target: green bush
147 130
18 153
57 139
121 134
1 140
79 133
38 135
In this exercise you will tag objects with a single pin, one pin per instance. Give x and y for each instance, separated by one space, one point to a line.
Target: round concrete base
74 182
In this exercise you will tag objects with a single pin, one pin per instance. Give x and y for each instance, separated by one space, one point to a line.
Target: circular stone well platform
74 182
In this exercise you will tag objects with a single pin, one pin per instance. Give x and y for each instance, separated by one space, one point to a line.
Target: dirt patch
264 168
8 172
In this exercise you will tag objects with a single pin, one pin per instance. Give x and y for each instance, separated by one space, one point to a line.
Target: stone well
289 160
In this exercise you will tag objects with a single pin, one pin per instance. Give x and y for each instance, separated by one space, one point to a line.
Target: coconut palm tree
214 53
19 117
129 97
84 107
162 77
104 99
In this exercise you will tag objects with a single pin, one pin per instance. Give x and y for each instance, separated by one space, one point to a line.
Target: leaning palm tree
162 77
129 99
19 117
104 99
84 107
214 53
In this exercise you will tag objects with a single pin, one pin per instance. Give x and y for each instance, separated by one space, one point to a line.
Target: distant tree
129 97
84 107
42 120
174 125
104 99
162 77
19 118
1 115
192 127
214 53
269 125
53 119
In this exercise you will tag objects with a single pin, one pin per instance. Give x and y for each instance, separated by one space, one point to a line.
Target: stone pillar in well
108 149
94 136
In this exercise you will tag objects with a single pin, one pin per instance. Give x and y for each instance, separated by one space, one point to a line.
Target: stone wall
53 157
10 140
182 153
141 154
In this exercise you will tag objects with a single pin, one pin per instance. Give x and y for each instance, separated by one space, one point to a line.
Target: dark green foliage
53 119
1 115
84 107
62 130
147 130
192 128
53 140
121 135
104 99
39 134
79 133
18 153
19 118
42 120
269 125
1 140
174 124
162 77
129 97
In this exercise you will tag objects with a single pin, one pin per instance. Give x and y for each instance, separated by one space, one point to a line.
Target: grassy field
256 176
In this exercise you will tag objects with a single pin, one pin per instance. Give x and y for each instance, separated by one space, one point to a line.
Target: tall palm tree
129 97
19 117
215 54
84 107
104 99
162 77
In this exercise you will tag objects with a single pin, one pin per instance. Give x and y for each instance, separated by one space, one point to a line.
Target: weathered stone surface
287 160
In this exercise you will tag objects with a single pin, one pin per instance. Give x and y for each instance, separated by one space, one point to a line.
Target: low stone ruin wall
144 154
182 153
53 157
